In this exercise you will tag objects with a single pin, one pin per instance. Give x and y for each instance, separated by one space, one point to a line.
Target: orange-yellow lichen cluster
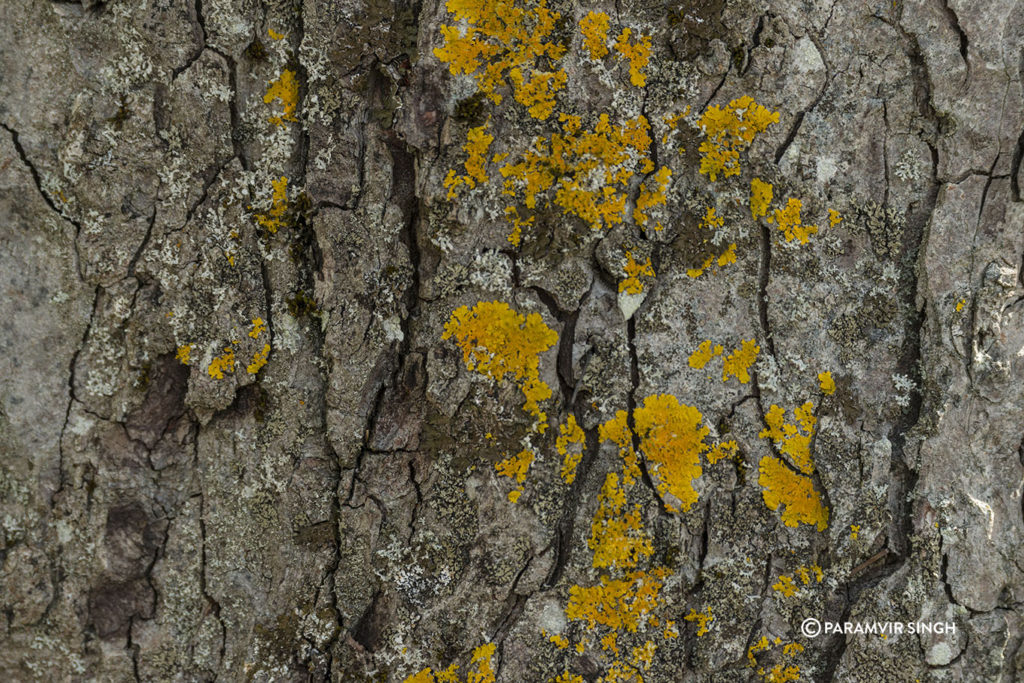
184 354
761 194
632 284
275 217
594 28
222 363
713 222
617 535
702 619
515 467
638 54
789 222
789 482
285 89
482 671
787 587
477 144
618 604
827 384
781 672
498 342
728 132
737 364
569 444
585 173
499 41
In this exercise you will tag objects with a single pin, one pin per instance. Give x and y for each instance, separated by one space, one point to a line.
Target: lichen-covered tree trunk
511 340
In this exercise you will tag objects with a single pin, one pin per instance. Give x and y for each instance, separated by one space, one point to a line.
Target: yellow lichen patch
498 342
274 35
633 270
516 236
619 604
783 486
594 28
275 217
960 305
704 353
793 440
566 677
649 198
617 431
482 672
737 364
500 41
827 384
222 363
702 619
259 359
515 467
569 444
184 353
258 326
713 222
834 218
760 197
725 449
854 531
788 220
785 586
672 440
536 93
642 656
477 144
584 173
638 54
806 574
780 673
616 532
285 89
560 641
728 132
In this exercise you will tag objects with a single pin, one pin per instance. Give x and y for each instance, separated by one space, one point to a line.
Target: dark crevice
954 22
36 178
763 275
1018 156
201 41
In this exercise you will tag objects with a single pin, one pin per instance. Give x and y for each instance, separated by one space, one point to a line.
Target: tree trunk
355 341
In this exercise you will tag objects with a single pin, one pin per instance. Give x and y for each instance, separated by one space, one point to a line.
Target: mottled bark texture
173 170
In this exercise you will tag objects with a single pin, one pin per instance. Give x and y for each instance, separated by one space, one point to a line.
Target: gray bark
337 515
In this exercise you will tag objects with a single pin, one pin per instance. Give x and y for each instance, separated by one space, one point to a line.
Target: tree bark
247 433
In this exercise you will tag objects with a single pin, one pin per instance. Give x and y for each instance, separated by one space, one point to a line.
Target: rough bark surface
336 513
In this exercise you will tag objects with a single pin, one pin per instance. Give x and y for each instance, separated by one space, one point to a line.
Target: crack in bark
37 180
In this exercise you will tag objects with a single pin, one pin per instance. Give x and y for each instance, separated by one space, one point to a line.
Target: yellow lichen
184 353
477 144
828 385
649 198
498 342
713 222
788 220
584 173
728 132
258 326
515 467
594 28
834 218
793 440
275 217
702 619
482 672
704 353
616 532
285 88
566 677
782 486
619 604
259 359
633 270
760 197
737 364
222 363
274 35
854 531
560 641
569 444
638 54
499 41
516 236
785 586
672 440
